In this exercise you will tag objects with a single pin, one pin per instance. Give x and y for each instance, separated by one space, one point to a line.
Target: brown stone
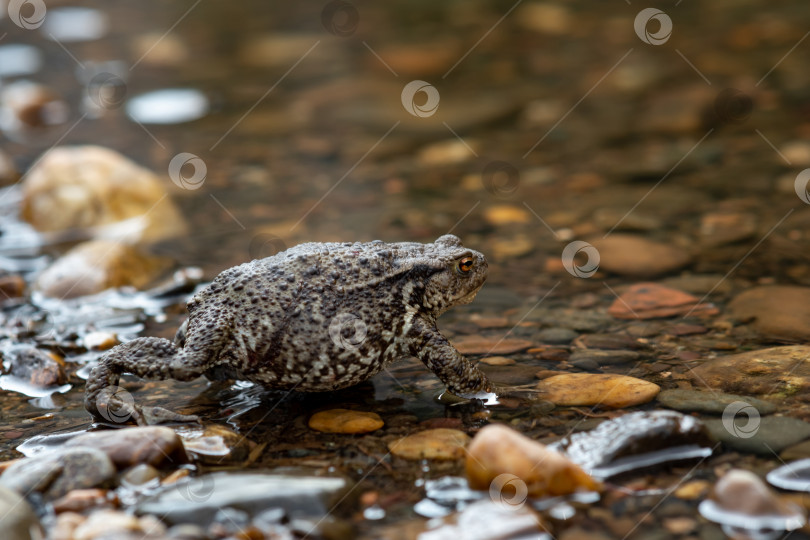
778 311
605 390
636 256
440 443
345 421
493 346
652 301
154 445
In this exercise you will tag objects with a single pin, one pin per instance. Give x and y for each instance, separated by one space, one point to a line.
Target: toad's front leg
148 358
460 376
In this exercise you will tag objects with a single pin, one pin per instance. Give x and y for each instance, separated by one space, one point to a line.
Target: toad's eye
464 265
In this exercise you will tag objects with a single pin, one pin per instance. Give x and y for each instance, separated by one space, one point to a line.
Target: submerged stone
605 390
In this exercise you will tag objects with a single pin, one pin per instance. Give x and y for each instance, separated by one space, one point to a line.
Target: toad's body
316 317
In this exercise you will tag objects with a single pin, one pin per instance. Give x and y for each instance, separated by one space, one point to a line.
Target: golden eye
464 265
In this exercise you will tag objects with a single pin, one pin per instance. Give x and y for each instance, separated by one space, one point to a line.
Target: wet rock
168 106
483 345
556 336
79 500
700 284
97 265
8 171
505 214
56 473
744 505
553 19
793 476
487 520
152 445
35 367
652 301
721 228
140 476
18 59
215 444
635 441
609 391
588 320
498 361
763 436
796 451
65 525
708 402
499 455
74 24
25 105
610 342
77 187
117 524
515 246
298 492
777 371
345 421
440 443
159 49
603 358
17 520
636 256
777 311
447 152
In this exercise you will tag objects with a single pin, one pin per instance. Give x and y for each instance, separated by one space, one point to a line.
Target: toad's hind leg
148 358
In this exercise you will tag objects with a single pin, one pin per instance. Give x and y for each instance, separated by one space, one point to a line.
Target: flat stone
652 301
604 358
440 443
795 452
17 519
777 311
152 445
214 444
708 402
556 336
765 436
605 390
345 421
610 342
777 371
485 520
496 346
56 473
581 320
637 256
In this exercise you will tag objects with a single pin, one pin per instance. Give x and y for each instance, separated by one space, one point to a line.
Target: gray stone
556 336
17 519
604 358
56 473
708 401
771 436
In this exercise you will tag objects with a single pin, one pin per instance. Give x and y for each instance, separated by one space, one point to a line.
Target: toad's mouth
467 298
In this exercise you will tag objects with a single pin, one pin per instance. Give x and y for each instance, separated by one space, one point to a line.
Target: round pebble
587 389
345 421
441 443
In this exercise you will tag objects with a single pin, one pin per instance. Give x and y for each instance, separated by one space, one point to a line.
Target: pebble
39 368
76 187
487 520
545 18
215 444
18 59
603 358
107 523
708 401
17 519
152 445
65 525
653 301
345 421
299 492
778 371
97 265
610 342
511 247
764 436
499 456
588 389
693 490
797 153
556 336
700 284
8 170
637 256
75 24
498 361
581 320
25 105
722 228
168 106
483 345
140 476
440 443
796 451
776 311
79 500
56 473
506 214
447 152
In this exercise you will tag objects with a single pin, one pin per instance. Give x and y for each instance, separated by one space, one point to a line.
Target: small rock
152 445
588 389
25 105
498 450
699 284
482 345
140 476
345 421
546 18
652 301
604 358
778 371
498 361
708 402
686 329
79 500
692 490
17 519
12 286
556 336
56 473
515 246
610 342
8 171
777 311
720 228
113 523
637 256
581 320
797 153
762 436
440 443
446 152
159 49
215 444
36 367
505 214
97 265
65 525
168 106
487 520
78 187
796 451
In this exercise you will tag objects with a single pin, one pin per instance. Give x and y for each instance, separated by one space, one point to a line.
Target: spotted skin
314 318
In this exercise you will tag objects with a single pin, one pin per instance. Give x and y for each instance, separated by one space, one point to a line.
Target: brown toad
314 318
